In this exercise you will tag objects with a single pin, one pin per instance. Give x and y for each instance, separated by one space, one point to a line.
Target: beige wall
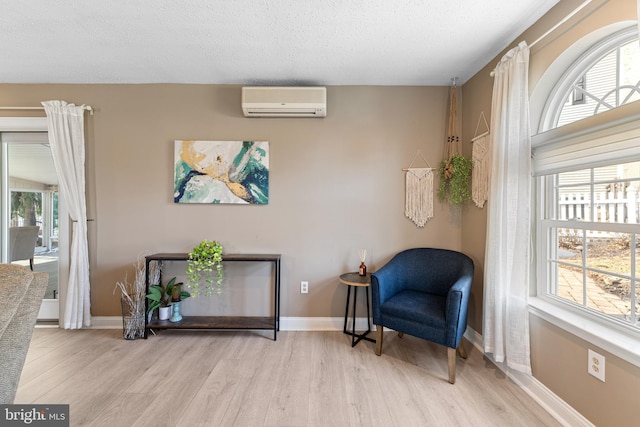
336 184
559 359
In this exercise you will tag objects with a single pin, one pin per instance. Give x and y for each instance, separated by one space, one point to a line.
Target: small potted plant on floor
203 260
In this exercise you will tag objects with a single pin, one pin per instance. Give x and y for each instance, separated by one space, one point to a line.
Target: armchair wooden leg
451 353
31 263
379 335
461 351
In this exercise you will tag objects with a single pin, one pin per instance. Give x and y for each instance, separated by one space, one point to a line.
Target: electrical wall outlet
304 287
596 365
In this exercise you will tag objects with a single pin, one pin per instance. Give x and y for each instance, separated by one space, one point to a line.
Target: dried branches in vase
132 298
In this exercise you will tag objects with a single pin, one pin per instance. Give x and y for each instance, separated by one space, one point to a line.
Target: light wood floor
208 378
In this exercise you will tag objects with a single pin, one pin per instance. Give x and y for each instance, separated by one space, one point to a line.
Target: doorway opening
32 219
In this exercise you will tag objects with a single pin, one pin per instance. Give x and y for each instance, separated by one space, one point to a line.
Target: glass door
31 211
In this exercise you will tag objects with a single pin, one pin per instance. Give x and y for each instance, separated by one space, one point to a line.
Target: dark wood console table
221 322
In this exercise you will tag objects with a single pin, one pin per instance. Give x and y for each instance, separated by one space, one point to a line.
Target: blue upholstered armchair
424 292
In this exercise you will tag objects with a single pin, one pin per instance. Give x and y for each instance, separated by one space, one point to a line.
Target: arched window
605 77
586 159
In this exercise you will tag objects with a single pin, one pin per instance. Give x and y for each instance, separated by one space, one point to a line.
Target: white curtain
506 279
66 136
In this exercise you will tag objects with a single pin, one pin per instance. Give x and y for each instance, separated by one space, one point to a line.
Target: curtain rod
562 21
84 107
555 27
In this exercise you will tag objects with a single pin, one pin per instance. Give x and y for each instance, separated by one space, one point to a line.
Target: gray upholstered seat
21 292
22 243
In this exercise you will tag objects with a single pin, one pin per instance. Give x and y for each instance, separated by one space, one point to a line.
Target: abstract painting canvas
221 172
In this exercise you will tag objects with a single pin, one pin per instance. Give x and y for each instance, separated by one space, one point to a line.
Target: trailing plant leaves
200 265
457 188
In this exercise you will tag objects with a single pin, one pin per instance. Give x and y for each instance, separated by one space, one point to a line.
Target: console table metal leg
276 308
146 301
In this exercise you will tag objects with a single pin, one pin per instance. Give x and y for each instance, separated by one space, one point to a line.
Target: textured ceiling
257 42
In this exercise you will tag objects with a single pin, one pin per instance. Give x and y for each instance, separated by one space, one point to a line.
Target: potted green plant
455 180
177 295
161 297
203 260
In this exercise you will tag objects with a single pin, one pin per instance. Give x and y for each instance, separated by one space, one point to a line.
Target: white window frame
582 144
604 138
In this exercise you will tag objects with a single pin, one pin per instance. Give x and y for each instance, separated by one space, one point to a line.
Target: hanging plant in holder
204 265
455 170
455 180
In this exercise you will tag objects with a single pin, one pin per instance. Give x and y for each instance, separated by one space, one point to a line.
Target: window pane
611 253
607 194
617 193
575 203
570 284
606 295
568 265
570 242
570 181
637 314
602 78
592 271
629 70
637 266
609 83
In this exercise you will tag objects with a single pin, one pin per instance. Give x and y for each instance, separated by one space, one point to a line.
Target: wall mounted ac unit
270 101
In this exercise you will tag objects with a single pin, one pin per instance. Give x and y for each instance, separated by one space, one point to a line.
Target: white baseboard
554 405
321 324
106 322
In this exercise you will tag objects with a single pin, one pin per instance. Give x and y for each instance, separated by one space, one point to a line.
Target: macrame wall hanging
481 166
419 192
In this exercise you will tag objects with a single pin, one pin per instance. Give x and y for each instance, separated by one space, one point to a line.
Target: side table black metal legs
356 338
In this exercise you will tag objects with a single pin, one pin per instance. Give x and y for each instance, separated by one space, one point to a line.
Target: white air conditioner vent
269 101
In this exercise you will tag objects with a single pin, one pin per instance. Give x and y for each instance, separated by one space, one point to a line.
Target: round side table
355 280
